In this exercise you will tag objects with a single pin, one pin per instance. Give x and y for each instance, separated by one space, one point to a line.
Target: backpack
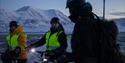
108 51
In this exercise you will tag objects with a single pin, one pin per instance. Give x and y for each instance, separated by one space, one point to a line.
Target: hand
17 50
29 48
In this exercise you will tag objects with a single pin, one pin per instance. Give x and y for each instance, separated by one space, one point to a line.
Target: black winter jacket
84 39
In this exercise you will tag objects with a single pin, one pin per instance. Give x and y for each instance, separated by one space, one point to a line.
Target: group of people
55 40
84 42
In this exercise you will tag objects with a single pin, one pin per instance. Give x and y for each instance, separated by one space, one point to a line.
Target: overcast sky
114 8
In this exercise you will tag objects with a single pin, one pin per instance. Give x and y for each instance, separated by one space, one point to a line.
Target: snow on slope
34 20
37 20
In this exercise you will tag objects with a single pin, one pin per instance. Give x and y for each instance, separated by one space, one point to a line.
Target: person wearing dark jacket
55 39
84 37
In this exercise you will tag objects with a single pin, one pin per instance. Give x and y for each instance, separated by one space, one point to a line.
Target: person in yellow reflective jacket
55 39
16 40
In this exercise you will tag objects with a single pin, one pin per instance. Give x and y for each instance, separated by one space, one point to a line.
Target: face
71 11
12 28
55 25
73 15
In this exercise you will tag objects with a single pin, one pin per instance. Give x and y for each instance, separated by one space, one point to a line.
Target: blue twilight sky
114 8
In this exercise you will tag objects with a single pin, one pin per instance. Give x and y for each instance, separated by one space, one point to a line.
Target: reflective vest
52 41
12 40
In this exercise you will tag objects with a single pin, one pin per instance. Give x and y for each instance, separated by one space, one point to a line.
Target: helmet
87 7
13 23
74 3
80 7
54 20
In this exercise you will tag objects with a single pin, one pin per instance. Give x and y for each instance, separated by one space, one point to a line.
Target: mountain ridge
38 20
34 20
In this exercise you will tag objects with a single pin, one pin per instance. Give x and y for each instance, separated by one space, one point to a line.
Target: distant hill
121 24
37 20
33 20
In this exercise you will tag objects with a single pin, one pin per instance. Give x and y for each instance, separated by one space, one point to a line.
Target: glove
17 51
48 52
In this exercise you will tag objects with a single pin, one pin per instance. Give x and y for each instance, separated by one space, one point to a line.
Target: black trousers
7 57
22 60
87 60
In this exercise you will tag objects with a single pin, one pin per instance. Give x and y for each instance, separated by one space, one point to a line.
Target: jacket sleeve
39 43
63 42
22 40
22 44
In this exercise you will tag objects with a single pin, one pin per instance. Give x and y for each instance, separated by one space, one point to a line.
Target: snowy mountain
37 20
5 17
34 20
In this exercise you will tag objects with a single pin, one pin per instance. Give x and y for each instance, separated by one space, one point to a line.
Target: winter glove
16 51
50 52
